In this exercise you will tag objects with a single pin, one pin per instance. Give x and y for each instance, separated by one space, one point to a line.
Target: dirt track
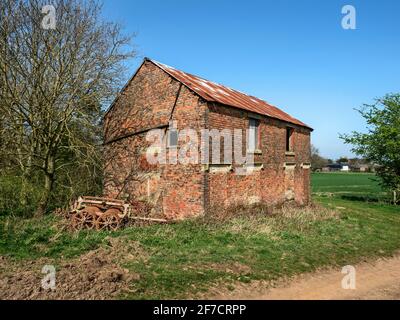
96 274
376 280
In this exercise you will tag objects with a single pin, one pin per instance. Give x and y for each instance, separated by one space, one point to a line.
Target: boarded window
289 139
254 127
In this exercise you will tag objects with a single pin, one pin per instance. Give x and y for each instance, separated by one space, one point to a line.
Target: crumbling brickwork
274 181
150 101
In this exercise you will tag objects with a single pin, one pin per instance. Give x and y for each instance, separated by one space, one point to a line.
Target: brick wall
183 184
146 102
151 97
274 183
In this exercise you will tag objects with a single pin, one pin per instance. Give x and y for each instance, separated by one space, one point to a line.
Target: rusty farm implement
98 213
106 214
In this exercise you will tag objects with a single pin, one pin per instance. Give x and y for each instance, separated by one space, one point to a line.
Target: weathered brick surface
183 184
272 182
153 98
174 190
146 102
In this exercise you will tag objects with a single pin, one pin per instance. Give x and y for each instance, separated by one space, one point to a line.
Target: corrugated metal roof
215 92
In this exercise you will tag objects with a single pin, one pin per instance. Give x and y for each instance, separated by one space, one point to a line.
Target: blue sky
291 53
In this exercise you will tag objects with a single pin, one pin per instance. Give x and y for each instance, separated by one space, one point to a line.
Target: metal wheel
91 220
78 220
108 221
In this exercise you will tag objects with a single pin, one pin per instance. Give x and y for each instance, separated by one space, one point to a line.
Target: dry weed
265 219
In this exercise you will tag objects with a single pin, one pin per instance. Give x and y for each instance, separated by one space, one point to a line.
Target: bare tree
55 80
317 162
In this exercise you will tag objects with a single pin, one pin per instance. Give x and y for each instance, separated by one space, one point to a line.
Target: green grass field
184 259
362 186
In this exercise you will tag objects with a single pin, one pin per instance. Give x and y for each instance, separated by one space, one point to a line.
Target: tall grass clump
266 218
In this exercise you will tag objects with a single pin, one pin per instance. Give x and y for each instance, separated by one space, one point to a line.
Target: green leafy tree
342 160
381 143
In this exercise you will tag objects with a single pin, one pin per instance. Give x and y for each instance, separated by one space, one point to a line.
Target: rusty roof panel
215 92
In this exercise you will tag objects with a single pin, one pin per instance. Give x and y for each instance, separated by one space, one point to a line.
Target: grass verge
185 259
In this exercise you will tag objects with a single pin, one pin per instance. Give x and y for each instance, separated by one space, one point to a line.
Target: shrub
17 198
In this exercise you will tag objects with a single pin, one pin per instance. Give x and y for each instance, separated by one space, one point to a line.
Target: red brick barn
158 94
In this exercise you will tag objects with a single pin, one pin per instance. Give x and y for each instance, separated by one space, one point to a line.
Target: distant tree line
319 162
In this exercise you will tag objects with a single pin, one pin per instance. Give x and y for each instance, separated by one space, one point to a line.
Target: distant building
336 167
345 167
361 168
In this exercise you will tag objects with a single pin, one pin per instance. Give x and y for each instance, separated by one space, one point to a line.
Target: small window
289 139
254 126
172 138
